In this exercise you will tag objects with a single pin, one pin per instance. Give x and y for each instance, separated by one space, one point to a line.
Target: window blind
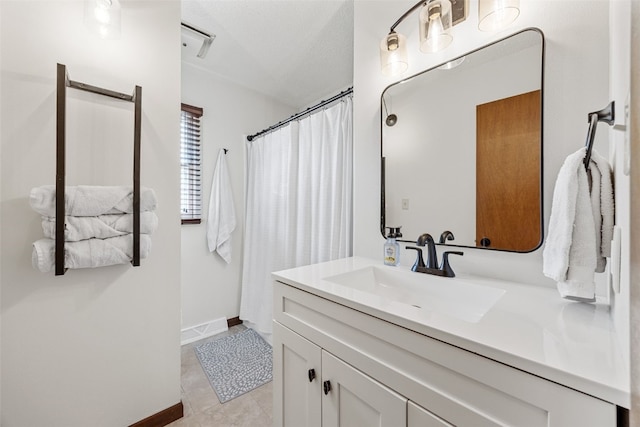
190 170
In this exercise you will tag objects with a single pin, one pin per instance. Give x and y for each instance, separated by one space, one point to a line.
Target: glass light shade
494 15
393 54
103 17
435 26
452 64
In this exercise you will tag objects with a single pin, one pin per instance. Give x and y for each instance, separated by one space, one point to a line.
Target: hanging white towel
577 238
603 206
89 200
222 217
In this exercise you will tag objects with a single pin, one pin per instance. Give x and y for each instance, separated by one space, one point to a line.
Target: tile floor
201 405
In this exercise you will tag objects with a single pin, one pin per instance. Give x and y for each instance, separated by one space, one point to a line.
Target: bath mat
236 364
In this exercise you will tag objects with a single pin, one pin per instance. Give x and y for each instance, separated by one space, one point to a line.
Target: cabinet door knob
327 387
312 374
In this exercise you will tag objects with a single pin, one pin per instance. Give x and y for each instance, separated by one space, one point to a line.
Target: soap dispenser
392 247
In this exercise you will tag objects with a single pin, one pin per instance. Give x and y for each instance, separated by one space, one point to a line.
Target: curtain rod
302 113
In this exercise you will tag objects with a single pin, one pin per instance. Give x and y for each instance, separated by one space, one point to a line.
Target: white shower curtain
299 203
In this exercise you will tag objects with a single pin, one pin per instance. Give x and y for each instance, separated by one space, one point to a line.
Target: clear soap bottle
392 247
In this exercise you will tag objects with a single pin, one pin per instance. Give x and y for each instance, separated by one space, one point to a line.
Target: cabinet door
353 399
297 393
417 416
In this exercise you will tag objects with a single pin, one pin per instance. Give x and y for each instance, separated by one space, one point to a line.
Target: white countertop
530 328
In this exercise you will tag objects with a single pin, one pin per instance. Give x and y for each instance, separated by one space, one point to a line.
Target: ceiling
298 51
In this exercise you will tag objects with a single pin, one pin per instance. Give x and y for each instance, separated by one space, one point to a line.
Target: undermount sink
459 298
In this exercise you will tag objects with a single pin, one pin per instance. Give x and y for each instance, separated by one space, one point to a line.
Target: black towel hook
606 115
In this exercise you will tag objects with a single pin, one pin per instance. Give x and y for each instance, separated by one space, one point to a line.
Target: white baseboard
204 330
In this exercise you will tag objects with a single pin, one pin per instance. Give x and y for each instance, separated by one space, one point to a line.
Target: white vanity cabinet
384 374
355 399
297 377
311 382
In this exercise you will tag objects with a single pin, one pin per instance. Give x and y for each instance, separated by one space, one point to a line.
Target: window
190 171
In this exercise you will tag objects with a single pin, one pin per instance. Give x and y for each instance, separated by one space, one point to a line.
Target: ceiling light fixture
206 42
103 17
435 21
494 15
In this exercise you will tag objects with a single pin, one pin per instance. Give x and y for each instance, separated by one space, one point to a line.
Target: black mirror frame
382 159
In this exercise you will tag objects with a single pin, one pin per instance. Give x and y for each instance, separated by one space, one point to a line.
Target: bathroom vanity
357 343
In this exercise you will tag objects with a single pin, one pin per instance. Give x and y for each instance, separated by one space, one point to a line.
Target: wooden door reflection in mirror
508 172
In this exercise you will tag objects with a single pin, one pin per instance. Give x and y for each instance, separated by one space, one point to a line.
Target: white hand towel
605 209
569 255
88 200
102 227
221 220
579 284
88 253
593 174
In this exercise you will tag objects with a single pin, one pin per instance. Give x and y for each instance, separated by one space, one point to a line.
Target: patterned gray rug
236 364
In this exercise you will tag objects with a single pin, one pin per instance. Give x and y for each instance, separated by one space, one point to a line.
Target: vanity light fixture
494 15
103 17
393 54
435 21
435 26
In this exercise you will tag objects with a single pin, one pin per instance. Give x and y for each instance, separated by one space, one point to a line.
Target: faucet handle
445 267
419 260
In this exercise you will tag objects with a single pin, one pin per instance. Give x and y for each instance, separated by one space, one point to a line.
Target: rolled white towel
102 227
89 253
89 200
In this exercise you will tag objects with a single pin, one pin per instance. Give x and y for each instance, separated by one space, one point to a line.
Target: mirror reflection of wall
431 163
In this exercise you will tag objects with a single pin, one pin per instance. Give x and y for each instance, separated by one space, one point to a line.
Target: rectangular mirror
462 148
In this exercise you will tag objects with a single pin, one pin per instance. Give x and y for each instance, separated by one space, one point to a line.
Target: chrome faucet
431 266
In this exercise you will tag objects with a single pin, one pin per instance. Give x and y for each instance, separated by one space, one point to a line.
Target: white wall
576 82
210 286
96 347
1 97
635 214
619 66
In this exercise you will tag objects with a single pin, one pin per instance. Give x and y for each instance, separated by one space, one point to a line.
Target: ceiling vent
207 38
